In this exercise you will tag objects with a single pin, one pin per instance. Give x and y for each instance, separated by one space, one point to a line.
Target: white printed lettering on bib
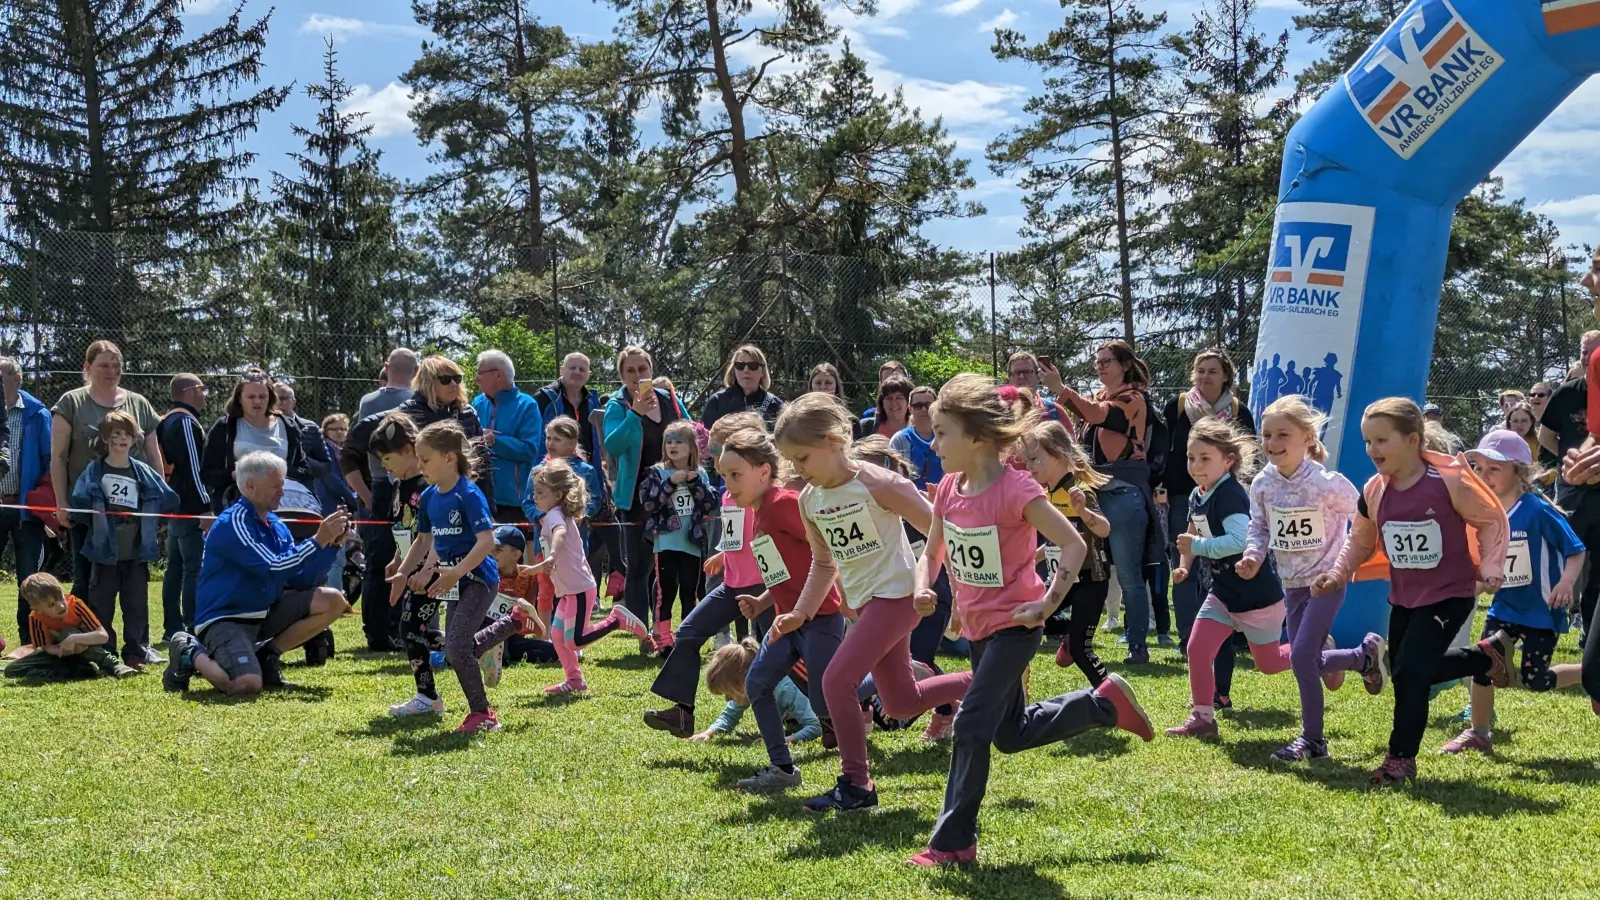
732 529
1413 545
1052 560
1519 565
849 533
682 502
1202 526
402 541
769 561
974 554
1297 528
120 490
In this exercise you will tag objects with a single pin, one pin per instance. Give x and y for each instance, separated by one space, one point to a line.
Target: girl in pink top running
987 517
1443 540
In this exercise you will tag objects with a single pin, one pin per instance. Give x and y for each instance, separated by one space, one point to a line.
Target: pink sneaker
1063 655
625 618
1332 680
616 584
1395 770
930 857
1468 740
567 687
1131 717
1375 671
941 726
1196 727
480 721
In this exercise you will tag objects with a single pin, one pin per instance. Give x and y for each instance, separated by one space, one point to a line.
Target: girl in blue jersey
1543 562
453 520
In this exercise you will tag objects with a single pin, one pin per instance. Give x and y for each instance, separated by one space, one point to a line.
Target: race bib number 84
974 554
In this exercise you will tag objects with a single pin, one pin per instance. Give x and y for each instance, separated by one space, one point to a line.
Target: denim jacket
154 497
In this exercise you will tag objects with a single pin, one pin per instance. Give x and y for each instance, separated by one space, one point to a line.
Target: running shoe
1196 727
492 663
941 726
1468 739
1375 668
1063 659
771 778
567 687
1499 647
418 706
1395 770
180 663
1131 717
1335 679
931 858
1301 749
843 797
675 720
480 721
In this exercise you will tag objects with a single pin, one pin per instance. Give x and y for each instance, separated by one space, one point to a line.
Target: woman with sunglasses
745 386
1118 420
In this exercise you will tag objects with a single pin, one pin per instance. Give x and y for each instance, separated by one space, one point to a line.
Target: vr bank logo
1309 261
1426 65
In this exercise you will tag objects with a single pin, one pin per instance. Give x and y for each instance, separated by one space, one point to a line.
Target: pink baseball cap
1502 445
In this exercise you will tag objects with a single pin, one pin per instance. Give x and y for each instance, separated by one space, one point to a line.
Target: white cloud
888 9
200 7
959 102
1006 19
1577 208
960 7
993 187
343 28
387 110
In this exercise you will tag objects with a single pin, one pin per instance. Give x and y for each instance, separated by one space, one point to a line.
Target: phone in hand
1046 362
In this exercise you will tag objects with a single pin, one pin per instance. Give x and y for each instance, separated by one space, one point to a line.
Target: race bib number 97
849 533
974 554
1413 545
682 502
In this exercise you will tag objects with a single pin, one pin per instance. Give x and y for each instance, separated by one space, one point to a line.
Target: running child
561 437
986 518
679 675
1061 467
750 465
1300 512
678 502
854 520
1543 562
1220 458
1440 534
455 527
562 497
725 678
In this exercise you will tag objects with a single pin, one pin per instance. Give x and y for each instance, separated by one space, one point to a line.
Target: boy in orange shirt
70 641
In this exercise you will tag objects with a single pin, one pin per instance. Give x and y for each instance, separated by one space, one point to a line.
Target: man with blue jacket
25 446
513 430
260 593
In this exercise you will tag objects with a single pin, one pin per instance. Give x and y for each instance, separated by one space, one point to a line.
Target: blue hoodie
518 429
30 451
247 564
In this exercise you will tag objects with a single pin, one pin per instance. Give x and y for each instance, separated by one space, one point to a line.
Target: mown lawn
114 789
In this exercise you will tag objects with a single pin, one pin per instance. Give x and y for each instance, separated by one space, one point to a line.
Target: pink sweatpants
1206 639
879 643
569 630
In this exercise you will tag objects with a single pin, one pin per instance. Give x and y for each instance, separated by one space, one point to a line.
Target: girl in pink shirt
1444 536
986 520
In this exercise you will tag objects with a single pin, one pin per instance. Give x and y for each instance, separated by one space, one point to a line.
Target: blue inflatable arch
1371 177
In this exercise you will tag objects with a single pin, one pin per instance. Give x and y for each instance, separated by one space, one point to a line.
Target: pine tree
1085 158
1347 28
1225 145
335 249
122 155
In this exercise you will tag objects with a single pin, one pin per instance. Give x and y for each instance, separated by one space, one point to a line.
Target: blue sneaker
436 659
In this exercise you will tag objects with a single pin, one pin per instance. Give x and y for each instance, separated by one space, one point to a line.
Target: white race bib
769 561
1202 526
917 547
849 533
402 541
451 595
682 502
120 491
1413 545
501 606
1052 560
732 529
1297 528
974 554
1519 565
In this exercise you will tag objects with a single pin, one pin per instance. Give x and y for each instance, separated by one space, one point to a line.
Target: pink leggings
570 631
1206 639
879 643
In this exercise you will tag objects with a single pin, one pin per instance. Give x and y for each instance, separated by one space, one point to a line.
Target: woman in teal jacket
636 417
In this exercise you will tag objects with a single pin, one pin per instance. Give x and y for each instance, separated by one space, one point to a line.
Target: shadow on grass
1259 718
1025 881
1155 668
421 735
839 834
1454 797
1102 744
300 693
1557 770
378 664
1017 804
630 663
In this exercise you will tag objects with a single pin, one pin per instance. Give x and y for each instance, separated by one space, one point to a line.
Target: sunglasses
923 405
749 366
448 379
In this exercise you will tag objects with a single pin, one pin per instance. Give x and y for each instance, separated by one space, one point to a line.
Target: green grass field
115 789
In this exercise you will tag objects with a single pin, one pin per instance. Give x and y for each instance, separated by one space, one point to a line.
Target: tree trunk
1124 256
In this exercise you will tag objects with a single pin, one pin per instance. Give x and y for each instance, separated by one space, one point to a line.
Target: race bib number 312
974 554
1413 545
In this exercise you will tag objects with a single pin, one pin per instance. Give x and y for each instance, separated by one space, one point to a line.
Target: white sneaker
492 662
1112 624
418 706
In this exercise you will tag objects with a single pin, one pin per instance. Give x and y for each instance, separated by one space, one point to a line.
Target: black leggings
678 575
1538 647
416 612
1083 606
1420 656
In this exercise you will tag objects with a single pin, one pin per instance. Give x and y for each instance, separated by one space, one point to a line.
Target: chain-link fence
326 316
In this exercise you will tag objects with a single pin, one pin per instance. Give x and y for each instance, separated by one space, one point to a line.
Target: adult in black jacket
310 433
437 397
183 446
1213 377
253 423
571 396
745 386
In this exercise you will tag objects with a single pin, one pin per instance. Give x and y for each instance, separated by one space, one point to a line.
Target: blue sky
936 51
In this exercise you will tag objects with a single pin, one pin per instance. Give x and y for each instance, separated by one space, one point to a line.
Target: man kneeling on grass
69 639
259 593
